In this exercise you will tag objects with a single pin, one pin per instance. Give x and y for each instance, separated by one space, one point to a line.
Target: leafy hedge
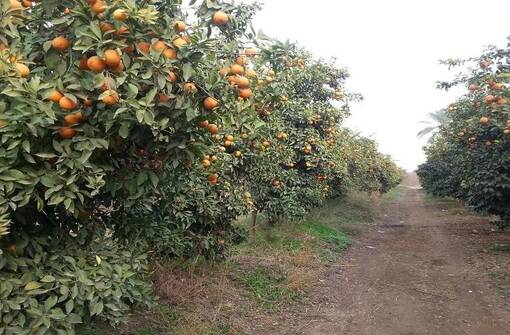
135 129
468 158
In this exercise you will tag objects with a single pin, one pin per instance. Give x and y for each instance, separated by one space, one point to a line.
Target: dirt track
411 274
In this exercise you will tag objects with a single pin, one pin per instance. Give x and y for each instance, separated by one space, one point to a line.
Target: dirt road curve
410 275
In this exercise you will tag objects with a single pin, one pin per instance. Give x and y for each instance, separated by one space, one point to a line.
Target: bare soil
426 267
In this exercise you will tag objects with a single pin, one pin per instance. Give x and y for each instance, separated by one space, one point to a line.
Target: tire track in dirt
408 275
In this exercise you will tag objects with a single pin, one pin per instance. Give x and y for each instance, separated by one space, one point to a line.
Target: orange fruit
98 7
203 124
112 58
83 64
111 98
88 103
242 82
489 99
502 101
163 97
180 26
224 71
212 128
172 77
105 26
129 49
67 132
241 60
15 4
143 46
213 179
484 120
73 118
159 46
60 43
119 68
237 153
244 93
26 3
250 73
210 103
66 103
250 52
179 42
206 163
67 10
189 88
170 53
122 30
236 69
220 18
22 69
120 14
55 96
96 64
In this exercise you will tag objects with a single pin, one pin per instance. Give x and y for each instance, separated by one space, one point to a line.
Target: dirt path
411 274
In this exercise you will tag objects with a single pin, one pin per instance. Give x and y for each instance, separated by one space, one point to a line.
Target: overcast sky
391 48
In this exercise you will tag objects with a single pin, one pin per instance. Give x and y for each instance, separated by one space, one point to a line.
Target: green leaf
187 71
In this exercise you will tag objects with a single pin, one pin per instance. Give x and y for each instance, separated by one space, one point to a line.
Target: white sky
391 48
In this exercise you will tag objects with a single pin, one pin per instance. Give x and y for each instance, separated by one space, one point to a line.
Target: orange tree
129 128
468 157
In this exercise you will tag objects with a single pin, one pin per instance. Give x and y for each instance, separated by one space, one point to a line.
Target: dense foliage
130 129
468 158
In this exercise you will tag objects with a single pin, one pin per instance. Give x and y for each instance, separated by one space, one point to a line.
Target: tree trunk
251 228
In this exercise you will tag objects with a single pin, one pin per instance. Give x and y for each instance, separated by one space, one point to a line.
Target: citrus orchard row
468 157
147 128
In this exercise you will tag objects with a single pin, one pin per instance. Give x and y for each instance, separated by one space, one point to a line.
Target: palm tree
436 120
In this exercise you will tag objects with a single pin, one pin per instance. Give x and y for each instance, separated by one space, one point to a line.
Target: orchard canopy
136 128
469 157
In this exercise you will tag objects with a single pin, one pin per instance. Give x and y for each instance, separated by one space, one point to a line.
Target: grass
265 274
267 287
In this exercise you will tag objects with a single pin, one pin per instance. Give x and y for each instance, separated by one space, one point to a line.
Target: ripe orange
484 120
129 49
189 88
111 98
242 82
250 52
122 30
213 179
172 77
163 97
502 101
250 73
60 43
170 53
112 58
212 128
237 153
15 4
83 64
159 46
236 69
73 118
22 69
66 103
143 46
120 14
67 132
220 18
224 71
105 26
55 96
179 42
241 60
203 124
210 103
489 99
119 68
88 102
96 64
206 163
244 93
98 7
180 26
